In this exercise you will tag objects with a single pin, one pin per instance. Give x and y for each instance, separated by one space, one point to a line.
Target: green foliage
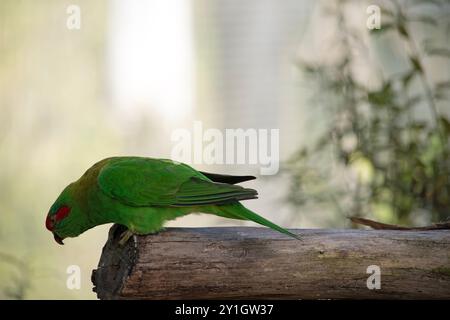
392 139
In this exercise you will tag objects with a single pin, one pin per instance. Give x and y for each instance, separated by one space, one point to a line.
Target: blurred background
363 114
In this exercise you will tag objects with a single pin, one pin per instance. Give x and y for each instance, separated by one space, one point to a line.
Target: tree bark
250 263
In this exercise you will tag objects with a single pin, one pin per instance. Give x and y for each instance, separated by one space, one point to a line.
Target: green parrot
143 193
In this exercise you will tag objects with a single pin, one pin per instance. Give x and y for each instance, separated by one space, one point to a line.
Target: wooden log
241 262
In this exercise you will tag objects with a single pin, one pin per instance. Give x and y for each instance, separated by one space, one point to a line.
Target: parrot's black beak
58 239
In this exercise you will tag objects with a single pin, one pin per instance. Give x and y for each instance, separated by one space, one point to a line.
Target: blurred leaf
382 97
443 85
412 101
383 28
441 95
308 68
406 79
402 30
445 124
424 19
418 126
416 63
444 52
441 90
386 12
437 3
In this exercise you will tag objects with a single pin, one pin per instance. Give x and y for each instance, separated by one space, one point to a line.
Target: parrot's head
64 218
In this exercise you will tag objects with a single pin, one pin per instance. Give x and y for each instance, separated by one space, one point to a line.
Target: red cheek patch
62 213
52 219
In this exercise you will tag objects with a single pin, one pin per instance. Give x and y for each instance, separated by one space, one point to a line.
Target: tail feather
238 211
225 178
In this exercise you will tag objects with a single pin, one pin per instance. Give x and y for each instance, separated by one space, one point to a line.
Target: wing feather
158 182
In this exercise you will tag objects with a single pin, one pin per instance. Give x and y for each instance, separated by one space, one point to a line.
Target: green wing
157 182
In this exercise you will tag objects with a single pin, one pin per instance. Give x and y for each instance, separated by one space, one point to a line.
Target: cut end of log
115 264
250 263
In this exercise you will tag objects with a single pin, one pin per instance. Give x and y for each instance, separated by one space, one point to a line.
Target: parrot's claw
124 237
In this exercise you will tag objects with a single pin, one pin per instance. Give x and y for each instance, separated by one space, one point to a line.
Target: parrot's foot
124 237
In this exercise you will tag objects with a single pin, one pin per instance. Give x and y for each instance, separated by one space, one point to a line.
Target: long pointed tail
238 211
